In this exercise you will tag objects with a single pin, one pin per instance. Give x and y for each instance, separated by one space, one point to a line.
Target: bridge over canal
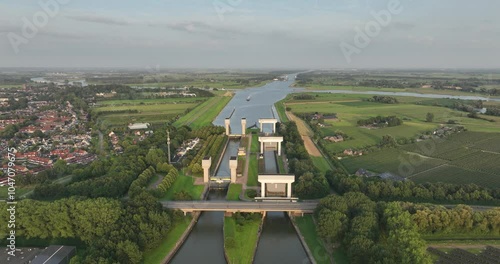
238 206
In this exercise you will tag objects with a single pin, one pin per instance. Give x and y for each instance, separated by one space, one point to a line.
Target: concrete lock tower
227 122
233 164
205 164
243 126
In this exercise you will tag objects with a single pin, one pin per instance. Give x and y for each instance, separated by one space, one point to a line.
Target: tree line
380 121
370 232
310 183
380 189
129 227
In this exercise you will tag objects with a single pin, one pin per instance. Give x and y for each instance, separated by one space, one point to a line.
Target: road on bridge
306 207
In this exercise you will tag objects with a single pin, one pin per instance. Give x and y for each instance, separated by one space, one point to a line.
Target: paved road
241 206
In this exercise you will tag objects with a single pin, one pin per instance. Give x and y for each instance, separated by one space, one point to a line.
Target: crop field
456 159
457 175
205 113
392 160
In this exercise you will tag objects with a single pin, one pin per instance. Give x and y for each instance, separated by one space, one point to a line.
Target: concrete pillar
243 126
260 123
279 148
227 123
274 127
289 190
205 164
261 147
233 163
262 189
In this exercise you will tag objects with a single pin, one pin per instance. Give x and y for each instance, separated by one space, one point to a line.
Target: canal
279 242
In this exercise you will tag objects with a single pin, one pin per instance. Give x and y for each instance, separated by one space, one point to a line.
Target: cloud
100 19
424 40
402 25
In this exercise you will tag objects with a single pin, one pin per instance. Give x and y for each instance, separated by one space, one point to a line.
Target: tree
430 117
331 225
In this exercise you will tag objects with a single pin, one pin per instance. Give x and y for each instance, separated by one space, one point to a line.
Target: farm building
136 126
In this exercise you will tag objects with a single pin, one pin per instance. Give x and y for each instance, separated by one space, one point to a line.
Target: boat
249 97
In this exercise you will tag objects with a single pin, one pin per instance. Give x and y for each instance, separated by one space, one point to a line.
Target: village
42 131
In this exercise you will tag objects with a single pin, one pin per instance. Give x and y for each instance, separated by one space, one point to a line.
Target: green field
244 238
254 148
152 101
147 113
233 193
184 183
155 256
280 108
19 192
253 170
467 157
308 230
205 113
321 163
457 159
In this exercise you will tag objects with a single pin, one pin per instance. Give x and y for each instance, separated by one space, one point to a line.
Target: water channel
279 242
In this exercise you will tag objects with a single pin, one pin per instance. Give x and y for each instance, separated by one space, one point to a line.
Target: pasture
147 113
468 157
205 113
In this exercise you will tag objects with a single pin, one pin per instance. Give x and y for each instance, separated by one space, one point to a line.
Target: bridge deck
227 206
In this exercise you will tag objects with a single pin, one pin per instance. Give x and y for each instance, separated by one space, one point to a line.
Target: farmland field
457 175
392 160
151 113
205 113
152 101
457 159
467 157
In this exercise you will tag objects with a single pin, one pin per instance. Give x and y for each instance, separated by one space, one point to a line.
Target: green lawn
205 113
245 240
255 143
233 193
321 163
19 191
280 108
281 165
155 256
340 256
253 171
184 183
308 230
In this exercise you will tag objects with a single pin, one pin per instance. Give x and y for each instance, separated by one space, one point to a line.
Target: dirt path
306 134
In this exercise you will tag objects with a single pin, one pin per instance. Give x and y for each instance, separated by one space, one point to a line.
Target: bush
251 193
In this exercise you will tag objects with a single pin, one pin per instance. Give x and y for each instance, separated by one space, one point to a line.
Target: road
241 206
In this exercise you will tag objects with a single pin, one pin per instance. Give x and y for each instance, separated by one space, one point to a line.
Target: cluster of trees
379 189
371 232
303 96
20 102
139 184
130 226
388 83
310 182
168 180
380 121
206 131
212 147
383 99
461 219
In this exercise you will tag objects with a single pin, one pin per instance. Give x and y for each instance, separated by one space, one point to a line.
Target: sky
312 34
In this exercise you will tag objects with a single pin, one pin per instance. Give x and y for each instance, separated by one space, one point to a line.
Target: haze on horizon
252 34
